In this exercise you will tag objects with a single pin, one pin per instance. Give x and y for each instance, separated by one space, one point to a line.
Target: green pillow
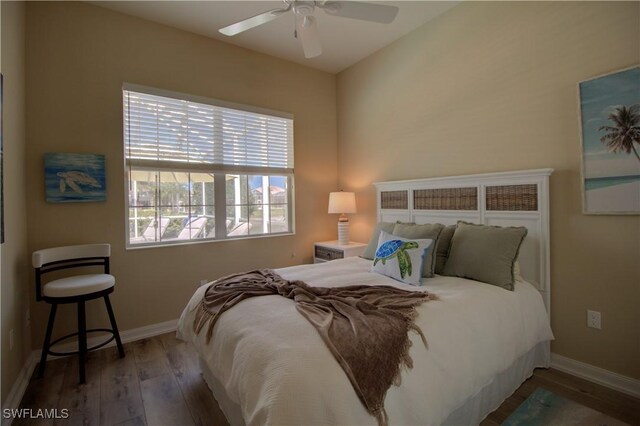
370 251
442 249
485 253
430 231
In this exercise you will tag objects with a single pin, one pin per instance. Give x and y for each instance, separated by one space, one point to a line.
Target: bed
267 365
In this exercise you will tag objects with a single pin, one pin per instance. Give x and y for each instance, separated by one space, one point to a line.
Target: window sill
165 244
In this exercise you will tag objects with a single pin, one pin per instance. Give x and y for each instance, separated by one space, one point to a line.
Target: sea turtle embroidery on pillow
400 258
397 248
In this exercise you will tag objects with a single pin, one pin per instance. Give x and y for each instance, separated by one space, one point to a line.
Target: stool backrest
57 258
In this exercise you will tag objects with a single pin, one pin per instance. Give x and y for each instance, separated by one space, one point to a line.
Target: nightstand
331 250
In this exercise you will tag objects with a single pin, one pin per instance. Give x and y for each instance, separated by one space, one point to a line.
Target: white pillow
400 258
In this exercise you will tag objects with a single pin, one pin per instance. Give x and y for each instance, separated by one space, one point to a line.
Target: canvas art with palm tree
610 113
624 135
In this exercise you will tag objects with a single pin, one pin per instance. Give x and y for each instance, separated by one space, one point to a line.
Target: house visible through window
200 169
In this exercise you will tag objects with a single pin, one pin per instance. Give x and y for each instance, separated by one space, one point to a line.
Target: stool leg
47 340
114 327
82 340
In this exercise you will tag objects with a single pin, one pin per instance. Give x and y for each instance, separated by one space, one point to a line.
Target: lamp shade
342 202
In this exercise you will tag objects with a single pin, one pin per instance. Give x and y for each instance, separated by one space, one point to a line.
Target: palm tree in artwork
625 132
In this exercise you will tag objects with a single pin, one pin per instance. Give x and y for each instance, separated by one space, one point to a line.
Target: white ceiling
344 41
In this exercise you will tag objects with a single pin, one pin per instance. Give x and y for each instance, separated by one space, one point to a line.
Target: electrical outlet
594 319
11 339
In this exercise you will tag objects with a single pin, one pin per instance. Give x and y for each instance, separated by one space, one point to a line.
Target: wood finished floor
159 383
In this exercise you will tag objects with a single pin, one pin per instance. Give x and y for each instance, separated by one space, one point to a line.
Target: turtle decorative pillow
400 258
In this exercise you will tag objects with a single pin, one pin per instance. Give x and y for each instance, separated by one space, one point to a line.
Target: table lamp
342 203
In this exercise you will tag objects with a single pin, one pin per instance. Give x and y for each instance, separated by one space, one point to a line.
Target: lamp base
343 232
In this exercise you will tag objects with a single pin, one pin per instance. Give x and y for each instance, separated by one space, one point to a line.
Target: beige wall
78 56
486 87
492 87
15 267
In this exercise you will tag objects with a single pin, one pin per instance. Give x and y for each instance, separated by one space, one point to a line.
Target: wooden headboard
519 198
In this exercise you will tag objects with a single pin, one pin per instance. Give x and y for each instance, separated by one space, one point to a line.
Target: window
200 169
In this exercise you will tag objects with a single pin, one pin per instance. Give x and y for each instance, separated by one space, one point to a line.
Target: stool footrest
94 330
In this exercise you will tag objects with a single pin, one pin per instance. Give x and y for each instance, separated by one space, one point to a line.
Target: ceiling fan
306 29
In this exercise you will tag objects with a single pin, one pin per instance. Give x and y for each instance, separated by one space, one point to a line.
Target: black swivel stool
75 289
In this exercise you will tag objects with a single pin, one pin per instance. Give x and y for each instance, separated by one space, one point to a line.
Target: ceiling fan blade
359 10
252 22
307 30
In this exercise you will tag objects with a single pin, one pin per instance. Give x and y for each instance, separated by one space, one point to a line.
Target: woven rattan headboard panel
519 198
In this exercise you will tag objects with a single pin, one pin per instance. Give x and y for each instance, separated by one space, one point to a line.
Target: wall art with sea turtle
75 178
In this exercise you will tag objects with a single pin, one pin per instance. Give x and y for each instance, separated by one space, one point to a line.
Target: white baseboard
146 331
20 385
596 374
126 337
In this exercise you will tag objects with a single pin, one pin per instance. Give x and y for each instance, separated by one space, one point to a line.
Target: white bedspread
274 365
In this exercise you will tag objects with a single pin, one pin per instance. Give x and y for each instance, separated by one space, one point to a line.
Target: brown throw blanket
364 327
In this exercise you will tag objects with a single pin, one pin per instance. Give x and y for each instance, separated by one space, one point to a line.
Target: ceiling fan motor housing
304 8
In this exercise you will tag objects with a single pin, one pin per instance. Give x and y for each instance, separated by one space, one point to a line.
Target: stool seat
78 285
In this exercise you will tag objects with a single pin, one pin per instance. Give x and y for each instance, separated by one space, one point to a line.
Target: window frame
219 171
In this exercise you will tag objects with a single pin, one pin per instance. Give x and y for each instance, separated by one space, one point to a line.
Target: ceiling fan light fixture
307 30
308 21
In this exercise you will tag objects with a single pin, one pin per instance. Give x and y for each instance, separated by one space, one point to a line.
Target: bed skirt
470 412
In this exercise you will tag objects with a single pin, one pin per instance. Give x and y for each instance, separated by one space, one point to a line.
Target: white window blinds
175 131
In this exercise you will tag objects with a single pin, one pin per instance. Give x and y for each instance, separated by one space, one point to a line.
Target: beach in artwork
612 185
611 176
622 196
73 178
